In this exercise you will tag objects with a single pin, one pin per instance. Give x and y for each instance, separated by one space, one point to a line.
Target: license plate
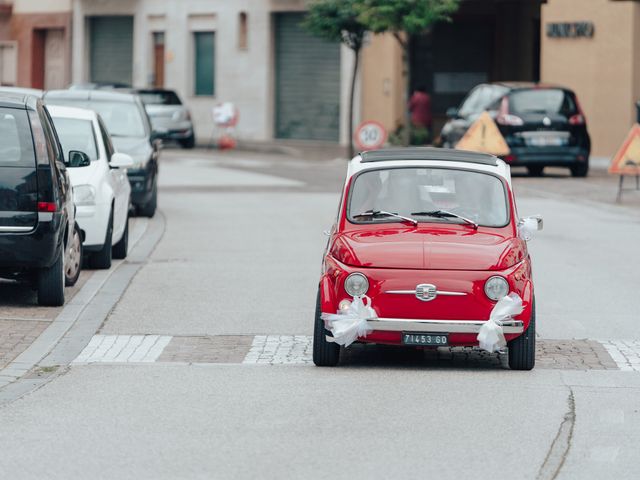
430 339
546 141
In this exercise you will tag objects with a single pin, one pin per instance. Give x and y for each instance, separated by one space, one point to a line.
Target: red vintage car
431 240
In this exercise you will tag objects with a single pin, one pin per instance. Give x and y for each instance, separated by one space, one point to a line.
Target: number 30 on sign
370 135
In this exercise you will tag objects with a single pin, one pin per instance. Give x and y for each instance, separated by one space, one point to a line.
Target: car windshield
16 147
416 192
544 100
481 98
123 119
153 97
75 134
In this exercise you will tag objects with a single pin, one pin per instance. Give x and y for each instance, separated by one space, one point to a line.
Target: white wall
244 77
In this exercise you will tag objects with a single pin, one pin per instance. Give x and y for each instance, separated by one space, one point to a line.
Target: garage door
307 83
111 49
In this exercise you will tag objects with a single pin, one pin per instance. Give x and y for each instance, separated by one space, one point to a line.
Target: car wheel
188 142
325 354
121 248
149 209
73 263
535 171
102 258
51 283
522 350
580 169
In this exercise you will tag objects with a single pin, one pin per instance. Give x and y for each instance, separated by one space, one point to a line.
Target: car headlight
84 195
496 288
356 284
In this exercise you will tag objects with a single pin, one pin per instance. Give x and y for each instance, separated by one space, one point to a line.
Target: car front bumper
142 185
510 327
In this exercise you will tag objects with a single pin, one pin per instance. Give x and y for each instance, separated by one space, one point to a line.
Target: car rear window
159 98
543 100
75 134
16 147
477 196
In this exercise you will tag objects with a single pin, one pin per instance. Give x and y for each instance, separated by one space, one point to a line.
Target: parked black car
39 238
542 124
131 133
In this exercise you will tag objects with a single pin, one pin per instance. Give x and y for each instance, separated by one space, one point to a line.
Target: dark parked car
130 129
40 241
542 124
169 117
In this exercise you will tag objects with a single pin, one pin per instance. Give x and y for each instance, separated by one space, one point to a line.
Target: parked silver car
169 117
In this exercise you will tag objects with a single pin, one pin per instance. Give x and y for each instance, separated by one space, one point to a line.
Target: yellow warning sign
627 160
484 136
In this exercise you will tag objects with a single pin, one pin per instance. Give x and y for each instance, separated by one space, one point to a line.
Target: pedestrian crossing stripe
627 159
484 136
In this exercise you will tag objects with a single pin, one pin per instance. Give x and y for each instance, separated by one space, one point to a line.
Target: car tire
102 258
189 142
73 265
121 248
580 170
149 209
522 350
535 171
325 354
51 283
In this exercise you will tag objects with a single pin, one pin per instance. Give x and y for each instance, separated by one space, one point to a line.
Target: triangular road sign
484 136
627 160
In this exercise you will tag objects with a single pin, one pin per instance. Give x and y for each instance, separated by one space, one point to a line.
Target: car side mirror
121 160
78 159
452 112
528 225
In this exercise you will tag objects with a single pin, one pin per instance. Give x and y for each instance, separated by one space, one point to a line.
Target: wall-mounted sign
570 30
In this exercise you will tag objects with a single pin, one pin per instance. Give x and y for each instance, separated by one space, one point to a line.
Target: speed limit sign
370 135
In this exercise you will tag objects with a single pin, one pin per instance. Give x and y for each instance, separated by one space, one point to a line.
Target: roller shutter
111 49
307 82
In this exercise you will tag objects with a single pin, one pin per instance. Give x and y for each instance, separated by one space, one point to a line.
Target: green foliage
419 136
338 21
409 16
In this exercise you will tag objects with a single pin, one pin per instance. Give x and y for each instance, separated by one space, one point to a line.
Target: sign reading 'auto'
570 30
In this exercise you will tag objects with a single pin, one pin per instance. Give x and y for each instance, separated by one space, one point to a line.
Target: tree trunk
352 94
406 66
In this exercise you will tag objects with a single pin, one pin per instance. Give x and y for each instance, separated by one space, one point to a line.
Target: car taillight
505 118
577 119
48 207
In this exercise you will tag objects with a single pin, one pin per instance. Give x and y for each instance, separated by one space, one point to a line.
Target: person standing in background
420 108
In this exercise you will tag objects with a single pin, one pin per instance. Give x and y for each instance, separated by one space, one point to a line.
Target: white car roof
429 157
71 112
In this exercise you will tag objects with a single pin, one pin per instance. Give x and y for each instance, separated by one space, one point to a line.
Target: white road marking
280 350
626 353
123 349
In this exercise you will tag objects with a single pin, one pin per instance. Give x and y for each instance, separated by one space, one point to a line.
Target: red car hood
435 249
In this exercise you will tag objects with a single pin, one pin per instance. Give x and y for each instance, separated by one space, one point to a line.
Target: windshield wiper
446 214
378 213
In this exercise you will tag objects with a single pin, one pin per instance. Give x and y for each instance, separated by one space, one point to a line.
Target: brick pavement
297 350
16 336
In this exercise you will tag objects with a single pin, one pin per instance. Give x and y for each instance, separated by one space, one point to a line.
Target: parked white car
101 191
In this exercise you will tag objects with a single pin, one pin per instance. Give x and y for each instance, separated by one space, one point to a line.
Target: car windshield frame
93 156
93 103
348 215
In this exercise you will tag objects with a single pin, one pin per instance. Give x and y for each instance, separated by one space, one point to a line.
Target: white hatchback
101 191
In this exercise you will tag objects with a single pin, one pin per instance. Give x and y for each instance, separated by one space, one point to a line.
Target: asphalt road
240 256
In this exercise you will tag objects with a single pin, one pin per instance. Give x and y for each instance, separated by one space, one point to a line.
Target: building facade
290 86
285 83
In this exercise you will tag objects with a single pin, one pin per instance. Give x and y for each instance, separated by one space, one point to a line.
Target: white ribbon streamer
491 335
351 323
